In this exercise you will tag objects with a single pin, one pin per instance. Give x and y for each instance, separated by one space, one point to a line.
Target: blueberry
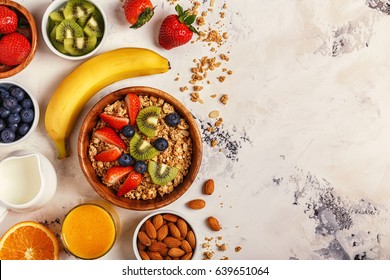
23 129
2 124
27 103
14 118
161 144
3 92
27 115
14 127
140 166
128 131
17 109
17 92
10 102
4 113
172 119
125 160
7 135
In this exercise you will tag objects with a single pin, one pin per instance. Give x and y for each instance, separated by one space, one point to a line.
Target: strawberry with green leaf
177 30
138 12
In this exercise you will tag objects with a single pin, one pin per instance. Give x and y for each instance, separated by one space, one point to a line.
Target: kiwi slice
161 173
76 9
57 15
140 149
80 46
58 45
82 21
68 29
147 120
94 26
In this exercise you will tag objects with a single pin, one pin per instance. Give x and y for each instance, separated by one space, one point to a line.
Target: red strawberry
108 135
116 173
109 155
176 30
8 20
114 121
14 48
133 106
132 181
138 12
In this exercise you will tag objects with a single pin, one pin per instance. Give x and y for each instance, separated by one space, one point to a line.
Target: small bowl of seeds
165 235
74 29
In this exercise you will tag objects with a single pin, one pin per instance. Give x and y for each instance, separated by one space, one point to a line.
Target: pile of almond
166 237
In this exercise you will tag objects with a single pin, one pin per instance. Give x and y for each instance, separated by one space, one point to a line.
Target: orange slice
28 241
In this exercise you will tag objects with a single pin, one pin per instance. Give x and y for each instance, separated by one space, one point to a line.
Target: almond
170 217
182 226
213 223
157 246
140 246
175 232
187 256
144 239
150 229
208 187
186 246
144 255
176 252
190 237
196 204
158 221
162 232
154 255
172 242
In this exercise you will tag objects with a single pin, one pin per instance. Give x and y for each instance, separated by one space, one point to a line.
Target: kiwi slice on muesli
141 149
147 120
161 173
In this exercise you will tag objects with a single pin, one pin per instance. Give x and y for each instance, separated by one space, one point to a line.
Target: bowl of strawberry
139 148
18 38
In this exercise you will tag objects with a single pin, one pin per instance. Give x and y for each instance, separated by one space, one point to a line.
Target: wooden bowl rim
34 39
106 193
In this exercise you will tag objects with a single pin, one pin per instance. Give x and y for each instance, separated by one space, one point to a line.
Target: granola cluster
178 154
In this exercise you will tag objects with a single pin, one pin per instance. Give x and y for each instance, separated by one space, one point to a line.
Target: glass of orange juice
89 230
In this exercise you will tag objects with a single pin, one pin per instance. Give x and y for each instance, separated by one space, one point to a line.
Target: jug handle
3 212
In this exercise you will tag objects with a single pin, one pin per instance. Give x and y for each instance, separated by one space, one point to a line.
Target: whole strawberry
8 20
138 12
176 30
14 48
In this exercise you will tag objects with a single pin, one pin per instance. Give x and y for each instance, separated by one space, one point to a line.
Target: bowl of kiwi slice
74 29
140 148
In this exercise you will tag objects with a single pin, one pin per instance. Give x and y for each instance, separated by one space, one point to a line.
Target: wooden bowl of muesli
122 153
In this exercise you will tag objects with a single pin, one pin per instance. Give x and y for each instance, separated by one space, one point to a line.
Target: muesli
148 161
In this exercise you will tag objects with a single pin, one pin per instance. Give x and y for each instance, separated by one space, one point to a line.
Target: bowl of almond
165 235
140 148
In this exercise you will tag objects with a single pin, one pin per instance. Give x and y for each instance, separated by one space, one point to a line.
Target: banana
86 80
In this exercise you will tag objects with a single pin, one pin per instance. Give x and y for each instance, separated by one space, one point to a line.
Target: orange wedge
28 241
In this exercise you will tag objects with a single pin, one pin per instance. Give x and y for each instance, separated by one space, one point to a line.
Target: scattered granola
224 99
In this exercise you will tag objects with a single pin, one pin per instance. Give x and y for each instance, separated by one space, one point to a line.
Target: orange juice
89 231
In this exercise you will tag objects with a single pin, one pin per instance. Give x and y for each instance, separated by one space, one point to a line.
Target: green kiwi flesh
141 149
94 26
147 120
160 173
68 29
57 15
76 9
58 45
80 46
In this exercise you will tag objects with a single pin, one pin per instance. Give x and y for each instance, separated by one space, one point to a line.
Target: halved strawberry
114 121
108 135
132 181
133 106
116 173
109 155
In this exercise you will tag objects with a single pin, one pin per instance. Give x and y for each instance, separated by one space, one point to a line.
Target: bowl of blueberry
19 113
140 148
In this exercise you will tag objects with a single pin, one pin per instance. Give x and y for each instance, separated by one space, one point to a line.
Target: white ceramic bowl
34 124
162 212
57 4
